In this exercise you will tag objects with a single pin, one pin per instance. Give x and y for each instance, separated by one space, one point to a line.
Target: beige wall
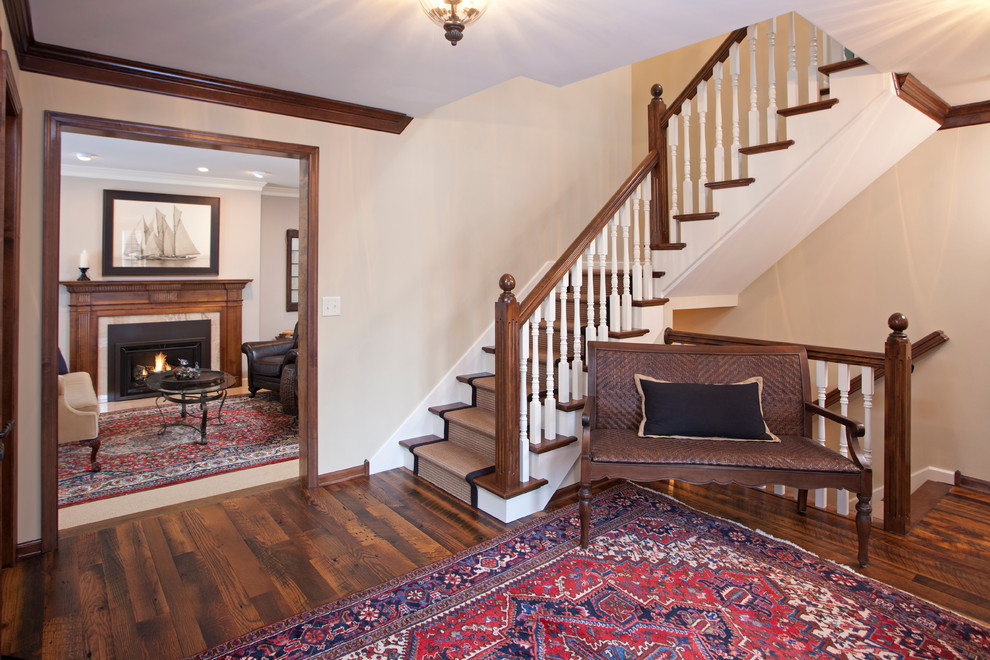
916 241
415 231
278 213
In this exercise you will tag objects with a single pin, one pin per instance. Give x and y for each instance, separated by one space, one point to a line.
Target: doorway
56 125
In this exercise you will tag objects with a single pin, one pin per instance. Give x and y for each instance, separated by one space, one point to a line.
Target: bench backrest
784 369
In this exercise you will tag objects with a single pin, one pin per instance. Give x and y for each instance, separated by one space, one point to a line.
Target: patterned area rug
659 580
134 457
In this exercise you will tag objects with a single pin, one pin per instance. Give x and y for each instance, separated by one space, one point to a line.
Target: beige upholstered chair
78 412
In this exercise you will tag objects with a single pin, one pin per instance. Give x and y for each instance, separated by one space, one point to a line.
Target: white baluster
687 191
614 312
821 381
602 283
773 124
703 199
813 87
591 330
550 401
754 110
626 300
792 74
564 367
635 205
842 496
672 139
719 153
523 411
535 408
577 364
869 388
735 159
644 205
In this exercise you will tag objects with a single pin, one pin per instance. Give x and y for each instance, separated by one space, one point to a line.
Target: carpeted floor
660 580
134 457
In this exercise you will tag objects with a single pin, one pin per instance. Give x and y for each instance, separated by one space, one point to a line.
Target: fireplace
135 350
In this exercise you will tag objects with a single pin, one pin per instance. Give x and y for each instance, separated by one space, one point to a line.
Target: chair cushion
731 411
77 388
791 453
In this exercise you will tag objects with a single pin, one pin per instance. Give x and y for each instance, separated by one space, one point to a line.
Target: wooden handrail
846 355
556 273
706 72
919 349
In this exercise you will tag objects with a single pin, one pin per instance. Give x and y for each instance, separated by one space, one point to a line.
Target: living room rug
134 457
659 580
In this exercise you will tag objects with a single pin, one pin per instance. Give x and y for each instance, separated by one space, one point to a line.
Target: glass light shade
454 15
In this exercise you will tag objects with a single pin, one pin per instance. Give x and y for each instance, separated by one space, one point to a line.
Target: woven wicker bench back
784 369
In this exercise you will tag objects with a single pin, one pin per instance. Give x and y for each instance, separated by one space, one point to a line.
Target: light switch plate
331 305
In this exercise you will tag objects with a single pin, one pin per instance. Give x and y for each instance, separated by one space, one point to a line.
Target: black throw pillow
693 410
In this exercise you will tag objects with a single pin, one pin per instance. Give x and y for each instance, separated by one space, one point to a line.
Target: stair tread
730 183
628 334
469 378
692 217
475 418
671 246
484 383
845 65
768 147
454 458
652 302
409 443
550 445
807 107
447 408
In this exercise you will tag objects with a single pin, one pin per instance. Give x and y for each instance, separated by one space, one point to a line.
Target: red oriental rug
134 457
659 580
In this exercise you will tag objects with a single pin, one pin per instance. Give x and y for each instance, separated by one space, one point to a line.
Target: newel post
897 428
507 386
657 137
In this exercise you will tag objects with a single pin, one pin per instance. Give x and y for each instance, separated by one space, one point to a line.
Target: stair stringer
837 153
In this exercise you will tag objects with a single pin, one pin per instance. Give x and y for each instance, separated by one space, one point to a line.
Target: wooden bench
612 447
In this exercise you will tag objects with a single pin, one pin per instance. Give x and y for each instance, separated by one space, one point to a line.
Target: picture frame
160 234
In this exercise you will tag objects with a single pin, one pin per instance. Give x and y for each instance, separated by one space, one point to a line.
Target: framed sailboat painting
160 234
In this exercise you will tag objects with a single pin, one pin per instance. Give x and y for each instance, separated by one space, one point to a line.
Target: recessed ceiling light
85 157
259 174
203 169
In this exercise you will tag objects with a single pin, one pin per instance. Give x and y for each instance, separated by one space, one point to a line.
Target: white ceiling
387 54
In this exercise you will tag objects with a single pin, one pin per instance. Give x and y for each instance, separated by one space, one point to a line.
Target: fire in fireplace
136 350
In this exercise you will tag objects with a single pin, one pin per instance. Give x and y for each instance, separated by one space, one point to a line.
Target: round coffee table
210 386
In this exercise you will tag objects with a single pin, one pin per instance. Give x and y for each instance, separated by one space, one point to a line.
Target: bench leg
864 525
802 501
584 508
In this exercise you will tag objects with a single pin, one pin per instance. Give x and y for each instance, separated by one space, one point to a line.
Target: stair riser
444 480
481 443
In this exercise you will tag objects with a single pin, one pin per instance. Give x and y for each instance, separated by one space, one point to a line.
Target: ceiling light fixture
259 174
454 15
84 157
202 168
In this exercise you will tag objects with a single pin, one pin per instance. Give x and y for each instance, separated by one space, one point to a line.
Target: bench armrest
854 430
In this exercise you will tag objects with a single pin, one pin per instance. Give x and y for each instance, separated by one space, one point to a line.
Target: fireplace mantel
89 301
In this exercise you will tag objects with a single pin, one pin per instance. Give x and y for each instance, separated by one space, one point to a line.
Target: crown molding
140 176
106 70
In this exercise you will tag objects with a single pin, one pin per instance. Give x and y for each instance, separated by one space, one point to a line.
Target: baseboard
346 474
918 480
28 549
979 485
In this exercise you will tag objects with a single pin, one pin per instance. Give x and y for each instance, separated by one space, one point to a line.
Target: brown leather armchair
266 359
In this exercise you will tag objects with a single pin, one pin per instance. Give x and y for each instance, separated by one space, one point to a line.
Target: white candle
84 259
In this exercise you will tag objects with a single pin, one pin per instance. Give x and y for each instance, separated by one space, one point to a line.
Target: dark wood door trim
308 156
105 70
10 161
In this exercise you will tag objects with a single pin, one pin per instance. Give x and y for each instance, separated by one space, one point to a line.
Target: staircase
670 238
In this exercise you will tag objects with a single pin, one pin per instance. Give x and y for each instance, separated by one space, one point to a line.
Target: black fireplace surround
132 347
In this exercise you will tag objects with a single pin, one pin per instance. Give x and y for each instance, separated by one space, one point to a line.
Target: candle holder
83 277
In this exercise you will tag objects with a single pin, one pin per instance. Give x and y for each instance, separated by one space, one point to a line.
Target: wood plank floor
173 583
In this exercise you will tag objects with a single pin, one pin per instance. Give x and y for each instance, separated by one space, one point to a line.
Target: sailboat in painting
160 241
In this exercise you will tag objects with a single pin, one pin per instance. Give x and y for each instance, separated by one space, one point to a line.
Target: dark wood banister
556 273
706 72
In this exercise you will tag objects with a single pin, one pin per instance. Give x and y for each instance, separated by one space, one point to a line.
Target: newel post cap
656 91
507 283
898 323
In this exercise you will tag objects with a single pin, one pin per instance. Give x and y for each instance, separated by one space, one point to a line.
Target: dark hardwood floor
170 584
